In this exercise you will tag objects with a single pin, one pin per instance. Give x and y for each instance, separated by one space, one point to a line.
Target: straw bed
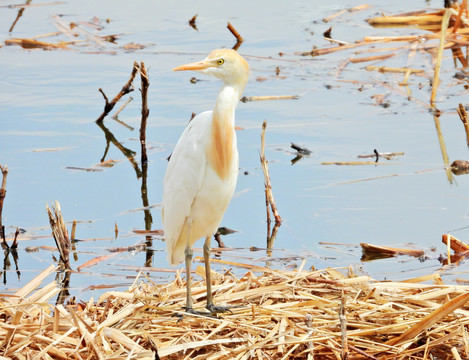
276 315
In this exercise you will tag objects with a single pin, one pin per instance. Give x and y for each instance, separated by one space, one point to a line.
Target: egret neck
222 150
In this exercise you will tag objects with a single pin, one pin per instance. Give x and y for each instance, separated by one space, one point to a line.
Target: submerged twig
115 116
444 152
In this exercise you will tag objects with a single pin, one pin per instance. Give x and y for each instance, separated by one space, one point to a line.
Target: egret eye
220 61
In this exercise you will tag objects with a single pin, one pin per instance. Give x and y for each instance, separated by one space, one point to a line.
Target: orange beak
199 65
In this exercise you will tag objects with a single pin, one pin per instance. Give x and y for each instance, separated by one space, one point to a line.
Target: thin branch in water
18 16
3 192
145 83
127 88
268 186
239 38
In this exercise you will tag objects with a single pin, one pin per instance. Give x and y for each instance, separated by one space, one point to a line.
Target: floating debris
301 150
377 155
36 44
353 163
192 22
245 99
373 252
460 167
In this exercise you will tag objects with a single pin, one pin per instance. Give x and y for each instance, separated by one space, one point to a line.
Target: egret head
225 64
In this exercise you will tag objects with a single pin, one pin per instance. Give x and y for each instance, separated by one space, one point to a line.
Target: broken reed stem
3 192
127 88
60 233
371 58
145 83
435 316
462 7
74 229
343 327
116 115
310 344
268 186
441 140
462 115
245 99
239 38
436 79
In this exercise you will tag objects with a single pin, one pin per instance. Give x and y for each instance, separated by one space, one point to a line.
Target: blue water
50 101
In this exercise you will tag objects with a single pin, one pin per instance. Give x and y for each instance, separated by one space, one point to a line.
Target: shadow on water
142 171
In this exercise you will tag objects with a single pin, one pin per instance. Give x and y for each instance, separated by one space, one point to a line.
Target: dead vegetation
276 315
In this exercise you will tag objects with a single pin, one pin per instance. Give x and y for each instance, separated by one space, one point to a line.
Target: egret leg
188 252
208 279
188 257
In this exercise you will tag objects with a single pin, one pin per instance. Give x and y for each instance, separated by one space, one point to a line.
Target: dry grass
276 315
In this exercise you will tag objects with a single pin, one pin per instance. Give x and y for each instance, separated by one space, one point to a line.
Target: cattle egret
203 169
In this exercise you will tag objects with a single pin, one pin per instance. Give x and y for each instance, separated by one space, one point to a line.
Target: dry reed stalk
276 315
455 244
462 115
60 233
3 192
344 11
353 163
35 44
436 79
387 69
371 58
423 20
408 38
444 152
269 197
386 250
267 97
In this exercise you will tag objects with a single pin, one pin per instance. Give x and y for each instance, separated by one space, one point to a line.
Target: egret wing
183 179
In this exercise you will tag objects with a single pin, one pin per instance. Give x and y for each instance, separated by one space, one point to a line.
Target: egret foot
191 311
215 309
